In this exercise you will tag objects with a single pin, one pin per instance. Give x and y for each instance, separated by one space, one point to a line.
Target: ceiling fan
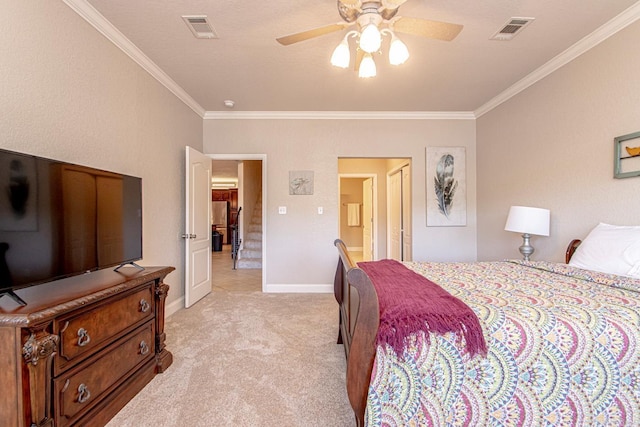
373 19
361 13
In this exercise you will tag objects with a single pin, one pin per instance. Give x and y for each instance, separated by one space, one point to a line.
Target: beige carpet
245 358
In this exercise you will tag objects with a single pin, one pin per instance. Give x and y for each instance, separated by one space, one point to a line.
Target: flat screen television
59 219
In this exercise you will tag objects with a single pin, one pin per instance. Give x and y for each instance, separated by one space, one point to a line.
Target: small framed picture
626 155
300 183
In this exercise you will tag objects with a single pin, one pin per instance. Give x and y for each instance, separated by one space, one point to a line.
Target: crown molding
100 23
616 24
106 28
339 115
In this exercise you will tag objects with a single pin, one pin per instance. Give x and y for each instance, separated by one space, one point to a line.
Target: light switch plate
282 210
320 210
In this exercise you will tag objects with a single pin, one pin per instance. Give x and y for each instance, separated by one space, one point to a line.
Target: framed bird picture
446 186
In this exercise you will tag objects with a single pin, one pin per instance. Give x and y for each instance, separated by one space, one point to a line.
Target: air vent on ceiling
511 28
199 26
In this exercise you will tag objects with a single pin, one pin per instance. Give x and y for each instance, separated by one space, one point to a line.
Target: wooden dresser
82 347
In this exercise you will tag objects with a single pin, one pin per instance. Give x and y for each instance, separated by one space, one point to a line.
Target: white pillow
613 249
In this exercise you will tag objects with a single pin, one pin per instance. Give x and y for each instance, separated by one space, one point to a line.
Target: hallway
224 277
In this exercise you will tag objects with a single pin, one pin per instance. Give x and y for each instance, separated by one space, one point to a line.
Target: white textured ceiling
246 64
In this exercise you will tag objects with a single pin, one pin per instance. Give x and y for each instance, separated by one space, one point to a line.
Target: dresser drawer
85 332
77 391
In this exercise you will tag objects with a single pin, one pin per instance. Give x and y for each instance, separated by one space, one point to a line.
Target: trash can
216 239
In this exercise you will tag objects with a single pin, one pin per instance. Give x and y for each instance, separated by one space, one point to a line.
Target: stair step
248 263
253 244
250 253
254 236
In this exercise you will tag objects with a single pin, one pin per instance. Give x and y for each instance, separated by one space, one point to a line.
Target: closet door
407 254
367 219
394 207
399 215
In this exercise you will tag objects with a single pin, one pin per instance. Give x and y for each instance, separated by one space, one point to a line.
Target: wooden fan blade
392 4
359 56
309 34
426 28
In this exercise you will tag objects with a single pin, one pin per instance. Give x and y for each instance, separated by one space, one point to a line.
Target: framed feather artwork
446 186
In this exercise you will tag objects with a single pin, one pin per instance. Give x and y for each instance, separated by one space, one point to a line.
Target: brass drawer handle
83 337
144 305
144 348
83 393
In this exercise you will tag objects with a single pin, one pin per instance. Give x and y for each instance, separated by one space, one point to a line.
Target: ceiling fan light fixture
370 38
398 52
367 67
341 55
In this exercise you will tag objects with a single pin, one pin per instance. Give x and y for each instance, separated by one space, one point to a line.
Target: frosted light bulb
367 67
341 55
370 39
398 52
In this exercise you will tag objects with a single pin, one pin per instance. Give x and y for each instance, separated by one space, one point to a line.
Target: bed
562 343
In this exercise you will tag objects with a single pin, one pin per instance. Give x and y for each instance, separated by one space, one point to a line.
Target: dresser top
51 299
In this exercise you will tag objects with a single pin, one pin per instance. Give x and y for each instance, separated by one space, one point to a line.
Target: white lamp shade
370 39
528 220
367 67
341 55
398 52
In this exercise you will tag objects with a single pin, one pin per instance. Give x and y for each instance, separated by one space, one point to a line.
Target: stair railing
235 238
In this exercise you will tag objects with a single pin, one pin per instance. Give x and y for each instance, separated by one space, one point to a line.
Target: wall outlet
282 210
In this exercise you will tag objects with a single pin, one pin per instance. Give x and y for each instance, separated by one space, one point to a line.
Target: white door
367 219
197 227
395 216
406 214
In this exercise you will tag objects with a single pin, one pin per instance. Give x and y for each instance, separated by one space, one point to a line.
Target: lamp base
526 249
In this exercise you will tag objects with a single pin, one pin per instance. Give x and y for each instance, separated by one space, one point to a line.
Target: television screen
59 219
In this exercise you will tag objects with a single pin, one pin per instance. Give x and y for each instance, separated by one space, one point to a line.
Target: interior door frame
263 158
374 206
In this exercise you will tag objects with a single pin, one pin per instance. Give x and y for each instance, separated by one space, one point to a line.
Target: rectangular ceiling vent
200 27
511 28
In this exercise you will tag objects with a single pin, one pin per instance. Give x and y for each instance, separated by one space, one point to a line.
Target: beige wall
299 245
69 94
552 147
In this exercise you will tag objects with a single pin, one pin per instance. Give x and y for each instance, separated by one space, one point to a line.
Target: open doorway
388 213
238 185
357 219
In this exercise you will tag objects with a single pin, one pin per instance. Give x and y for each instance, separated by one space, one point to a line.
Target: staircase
250 256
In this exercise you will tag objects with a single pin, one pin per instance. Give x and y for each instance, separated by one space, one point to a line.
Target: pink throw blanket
410 303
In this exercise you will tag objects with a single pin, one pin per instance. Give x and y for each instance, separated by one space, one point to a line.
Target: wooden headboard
571 249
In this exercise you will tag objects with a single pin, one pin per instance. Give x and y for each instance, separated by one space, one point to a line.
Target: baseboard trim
178 304
175 306
299 289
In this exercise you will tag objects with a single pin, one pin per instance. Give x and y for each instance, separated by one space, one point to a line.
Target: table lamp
528 221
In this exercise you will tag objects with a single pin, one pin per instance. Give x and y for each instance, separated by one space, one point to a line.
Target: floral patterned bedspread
564 350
